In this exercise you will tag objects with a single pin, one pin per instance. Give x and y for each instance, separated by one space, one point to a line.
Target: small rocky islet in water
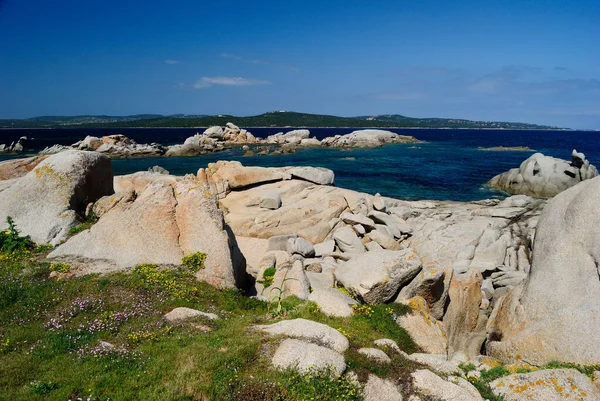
216 138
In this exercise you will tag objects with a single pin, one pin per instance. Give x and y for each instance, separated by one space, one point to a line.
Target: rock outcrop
14 147
196 145
377 389
52 198
115 146
375 277
308 330
431 385
546 385
367 138
160 226
307 357
545 176
555 314
15 168
465 321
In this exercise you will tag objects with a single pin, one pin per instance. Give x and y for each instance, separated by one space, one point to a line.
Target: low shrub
60 267
268 276
194 261
12 241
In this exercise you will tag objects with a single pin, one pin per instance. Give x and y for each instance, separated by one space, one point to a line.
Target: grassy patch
86 225
105 337
79 228
587 370
482 384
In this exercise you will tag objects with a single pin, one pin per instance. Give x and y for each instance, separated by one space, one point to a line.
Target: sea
448 165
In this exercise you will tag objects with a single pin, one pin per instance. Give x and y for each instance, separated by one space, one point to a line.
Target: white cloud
171 62
206 82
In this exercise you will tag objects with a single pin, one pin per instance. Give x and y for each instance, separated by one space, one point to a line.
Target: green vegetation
271 119
11 241
90 221
104 337
60 267
278 298
268 276
194 261
587 370
482 383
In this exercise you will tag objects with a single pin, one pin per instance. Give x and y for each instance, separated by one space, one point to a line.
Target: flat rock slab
333 302
309 331
16 168
307 210
378 389
316 175
546 385
183 313
429 384
307 357
375 354
389 345
437 362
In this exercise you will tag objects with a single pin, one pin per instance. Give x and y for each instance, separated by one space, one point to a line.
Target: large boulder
347 240
239 176
316 175
162 225
431 284
428 333
118 145
293 137
431 385
332 302
214 132
367 138
52 198
376 276
308 330
195 145
308 358
545 176
377 389
555 314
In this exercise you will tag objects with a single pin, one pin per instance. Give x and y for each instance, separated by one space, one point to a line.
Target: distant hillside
271 119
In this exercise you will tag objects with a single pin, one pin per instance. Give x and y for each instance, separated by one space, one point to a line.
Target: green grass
81 227
50 334
86 225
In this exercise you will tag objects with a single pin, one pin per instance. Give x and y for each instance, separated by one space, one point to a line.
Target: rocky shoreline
513 281
216 139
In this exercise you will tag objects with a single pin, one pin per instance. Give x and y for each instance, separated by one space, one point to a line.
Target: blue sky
530 61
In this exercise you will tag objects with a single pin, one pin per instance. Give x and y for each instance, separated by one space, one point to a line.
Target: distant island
270 119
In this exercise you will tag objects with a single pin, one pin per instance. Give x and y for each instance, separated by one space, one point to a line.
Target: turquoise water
448 166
